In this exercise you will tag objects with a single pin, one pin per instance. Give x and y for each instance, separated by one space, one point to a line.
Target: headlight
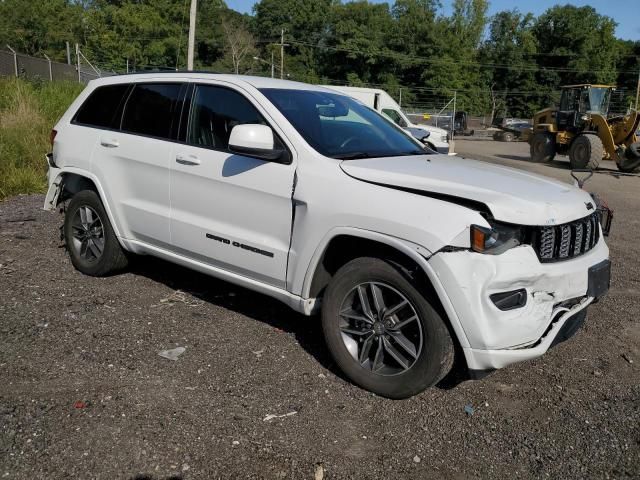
497 239
445 138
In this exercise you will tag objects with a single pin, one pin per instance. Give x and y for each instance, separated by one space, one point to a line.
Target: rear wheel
543 147
89 237
586 151
508 137
383 334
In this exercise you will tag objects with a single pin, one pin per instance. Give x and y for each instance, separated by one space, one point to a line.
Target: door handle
187 159
109 142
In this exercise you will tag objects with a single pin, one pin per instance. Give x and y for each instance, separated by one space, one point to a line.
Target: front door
228 210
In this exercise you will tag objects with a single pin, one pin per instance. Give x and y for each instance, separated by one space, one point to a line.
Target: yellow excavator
582 128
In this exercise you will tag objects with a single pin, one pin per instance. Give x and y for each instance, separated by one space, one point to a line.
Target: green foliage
511 48
37 27
455 67
509 64
28 111
577 38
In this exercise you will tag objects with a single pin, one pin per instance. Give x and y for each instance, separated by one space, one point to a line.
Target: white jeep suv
306 195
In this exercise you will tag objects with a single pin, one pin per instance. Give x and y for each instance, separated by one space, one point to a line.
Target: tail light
52 137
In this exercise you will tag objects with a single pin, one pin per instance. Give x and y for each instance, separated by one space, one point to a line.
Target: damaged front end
518 290
511 306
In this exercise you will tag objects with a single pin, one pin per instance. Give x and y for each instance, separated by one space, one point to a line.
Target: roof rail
156 71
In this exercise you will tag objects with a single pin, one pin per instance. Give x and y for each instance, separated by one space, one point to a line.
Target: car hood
512 195
418 133
429 128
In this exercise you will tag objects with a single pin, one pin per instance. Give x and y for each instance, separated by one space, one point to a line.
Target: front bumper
496 338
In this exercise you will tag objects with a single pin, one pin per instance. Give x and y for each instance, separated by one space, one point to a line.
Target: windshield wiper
414 152
351 156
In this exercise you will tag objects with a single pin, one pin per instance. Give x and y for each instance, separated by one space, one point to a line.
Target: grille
561 242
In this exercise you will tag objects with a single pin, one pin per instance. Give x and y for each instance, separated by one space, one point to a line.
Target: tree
456 66
579 46
42 27
358 41
239 43
628 69
413 36
306 26
511 49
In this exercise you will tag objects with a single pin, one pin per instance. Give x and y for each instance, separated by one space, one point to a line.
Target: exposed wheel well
344 248
74 183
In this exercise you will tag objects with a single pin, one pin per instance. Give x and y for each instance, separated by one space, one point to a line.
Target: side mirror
255 140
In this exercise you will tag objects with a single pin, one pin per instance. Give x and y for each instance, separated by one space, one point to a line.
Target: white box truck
436 138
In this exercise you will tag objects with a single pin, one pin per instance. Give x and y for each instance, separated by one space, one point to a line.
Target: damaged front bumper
545 298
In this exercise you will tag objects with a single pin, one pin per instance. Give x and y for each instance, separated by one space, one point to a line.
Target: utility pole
68 54
192 33
273 66
637 91
282 45
400 99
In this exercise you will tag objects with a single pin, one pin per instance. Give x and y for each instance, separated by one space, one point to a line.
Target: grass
28 112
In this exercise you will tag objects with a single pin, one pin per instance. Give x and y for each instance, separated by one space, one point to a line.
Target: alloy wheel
88 234
380 328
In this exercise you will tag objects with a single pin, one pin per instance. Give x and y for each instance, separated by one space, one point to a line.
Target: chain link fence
14 64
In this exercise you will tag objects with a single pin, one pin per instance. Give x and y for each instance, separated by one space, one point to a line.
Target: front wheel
382 333
586 151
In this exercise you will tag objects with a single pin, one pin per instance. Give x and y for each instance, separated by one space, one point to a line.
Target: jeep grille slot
561 242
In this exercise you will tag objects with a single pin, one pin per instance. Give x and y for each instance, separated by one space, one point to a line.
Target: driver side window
214 113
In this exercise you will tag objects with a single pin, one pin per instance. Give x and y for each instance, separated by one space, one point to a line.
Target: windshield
395 116
340 127
599 100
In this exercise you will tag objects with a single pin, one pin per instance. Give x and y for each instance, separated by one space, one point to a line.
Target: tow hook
605 214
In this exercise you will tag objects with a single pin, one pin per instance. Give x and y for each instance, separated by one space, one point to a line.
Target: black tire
432 360
103 254
586 151
542 147
508 137
632 161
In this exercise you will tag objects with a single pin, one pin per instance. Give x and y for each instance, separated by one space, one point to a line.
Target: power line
397 55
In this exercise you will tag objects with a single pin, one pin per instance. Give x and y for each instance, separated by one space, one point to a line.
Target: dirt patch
85 394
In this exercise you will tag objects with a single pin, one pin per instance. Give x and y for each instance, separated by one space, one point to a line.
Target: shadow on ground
306 330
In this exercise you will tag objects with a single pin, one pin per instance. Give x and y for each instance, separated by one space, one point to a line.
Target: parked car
513 131
436 138
307 195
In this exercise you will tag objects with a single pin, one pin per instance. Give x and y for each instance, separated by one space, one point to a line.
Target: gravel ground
85 394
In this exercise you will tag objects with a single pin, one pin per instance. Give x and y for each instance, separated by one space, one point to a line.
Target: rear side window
151 109
101 108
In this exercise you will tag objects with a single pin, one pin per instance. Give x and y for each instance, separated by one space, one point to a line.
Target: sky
624 12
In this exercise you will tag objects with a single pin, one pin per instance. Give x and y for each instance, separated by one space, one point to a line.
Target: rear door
132 161
228 210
